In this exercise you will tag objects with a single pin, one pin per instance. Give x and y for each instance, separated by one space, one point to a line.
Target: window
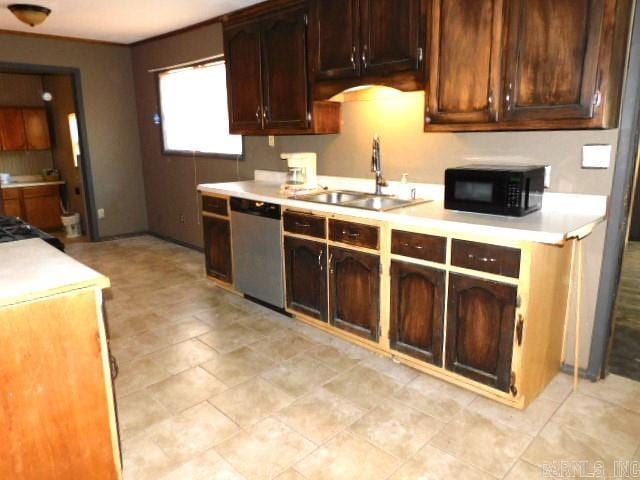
193 104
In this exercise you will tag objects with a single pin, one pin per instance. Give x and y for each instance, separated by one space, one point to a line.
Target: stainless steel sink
365 201
336 197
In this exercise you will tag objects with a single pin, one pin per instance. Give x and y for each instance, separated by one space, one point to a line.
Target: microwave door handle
527 188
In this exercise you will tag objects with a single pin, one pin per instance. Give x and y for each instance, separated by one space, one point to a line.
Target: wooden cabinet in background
36 128
12 134
24 129
37 205
12 202
42 206
464 61
354 292
217 248
480 330
306 276
417 311
267 78
366 42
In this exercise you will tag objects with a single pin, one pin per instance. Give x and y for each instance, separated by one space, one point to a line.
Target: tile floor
214 387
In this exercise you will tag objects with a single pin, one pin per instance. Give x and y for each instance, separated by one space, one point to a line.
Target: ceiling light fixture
30 14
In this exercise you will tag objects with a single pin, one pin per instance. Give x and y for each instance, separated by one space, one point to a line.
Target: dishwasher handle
257 208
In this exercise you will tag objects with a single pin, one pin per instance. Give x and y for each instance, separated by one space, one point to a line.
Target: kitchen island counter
31 269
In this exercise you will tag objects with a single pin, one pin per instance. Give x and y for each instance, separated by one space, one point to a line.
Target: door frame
619 208
89 194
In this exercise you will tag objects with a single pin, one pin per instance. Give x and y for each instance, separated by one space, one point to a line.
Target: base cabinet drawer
217 248
306 276
354 292
304 224
215 205
486 258
355 234
419 245
417 311
480 330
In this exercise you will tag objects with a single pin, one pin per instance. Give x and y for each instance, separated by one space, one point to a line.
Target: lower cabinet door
306 276
217 248
354 286
417 311
480 329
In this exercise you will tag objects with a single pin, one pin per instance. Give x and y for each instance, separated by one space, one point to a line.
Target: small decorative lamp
30 14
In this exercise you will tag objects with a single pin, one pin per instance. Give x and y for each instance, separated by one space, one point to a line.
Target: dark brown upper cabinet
525 64
552 59
36 128
24 129
480 330
306 276
244 82
357 42
336 38
417 311
464 76
217 248
269 92
354 292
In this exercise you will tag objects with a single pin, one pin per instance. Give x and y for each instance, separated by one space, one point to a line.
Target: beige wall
170 181
110 115
22 91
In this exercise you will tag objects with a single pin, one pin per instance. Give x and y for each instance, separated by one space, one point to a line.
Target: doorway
55 91
624 355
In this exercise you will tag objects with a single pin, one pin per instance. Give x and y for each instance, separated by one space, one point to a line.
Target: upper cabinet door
12 134
391 33
464 60
284 52
552 59
335 39
244 84
36 128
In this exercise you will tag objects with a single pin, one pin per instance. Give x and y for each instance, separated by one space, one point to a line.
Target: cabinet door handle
302 225
471 256
417 247
365 63
258 114
519 329
115 370
353 58
265 110
320 260
508 98
350 234
330 263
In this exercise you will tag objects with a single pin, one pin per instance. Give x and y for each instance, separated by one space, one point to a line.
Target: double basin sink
366 201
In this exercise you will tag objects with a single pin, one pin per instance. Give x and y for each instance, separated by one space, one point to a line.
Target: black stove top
13 229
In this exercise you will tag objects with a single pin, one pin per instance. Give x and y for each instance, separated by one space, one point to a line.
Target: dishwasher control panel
253 207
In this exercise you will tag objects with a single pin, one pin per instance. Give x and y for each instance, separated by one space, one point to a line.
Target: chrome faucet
376 165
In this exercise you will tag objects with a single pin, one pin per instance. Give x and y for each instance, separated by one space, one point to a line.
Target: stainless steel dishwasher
256 243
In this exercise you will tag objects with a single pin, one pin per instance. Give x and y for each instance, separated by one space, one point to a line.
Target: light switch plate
596 156
547 176
272 141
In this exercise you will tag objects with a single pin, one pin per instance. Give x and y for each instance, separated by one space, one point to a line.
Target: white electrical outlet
272 141
547 176
101 213
596 156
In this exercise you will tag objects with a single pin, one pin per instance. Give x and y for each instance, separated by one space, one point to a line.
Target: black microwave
513 190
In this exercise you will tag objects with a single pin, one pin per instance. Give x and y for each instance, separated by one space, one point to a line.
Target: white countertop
31 184
31 269
563 216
